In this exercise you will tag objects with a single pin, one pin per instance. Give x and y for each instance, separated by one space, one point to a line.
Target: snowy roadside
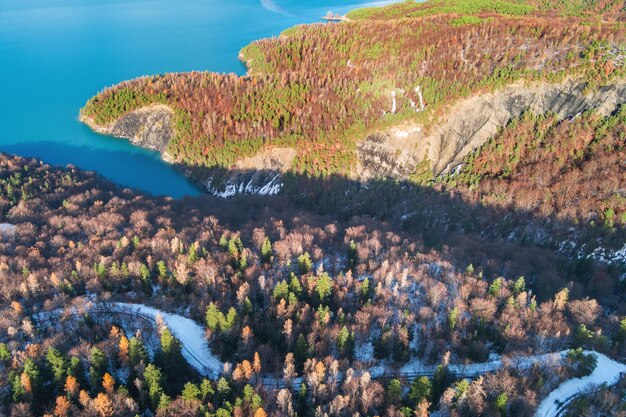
196 351
607 371
195 348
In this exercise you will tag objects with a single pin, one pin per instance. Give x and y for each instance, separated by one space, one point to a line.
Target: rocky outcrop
272 159
400 152
471 122
149 127
260 174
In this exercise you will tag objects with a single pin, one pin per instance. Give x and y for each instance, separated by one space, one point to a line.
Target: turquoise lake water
55 55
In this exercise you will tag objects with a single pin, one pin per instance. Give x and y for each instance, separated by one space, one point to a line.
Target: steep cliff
402 151
149 127
468 124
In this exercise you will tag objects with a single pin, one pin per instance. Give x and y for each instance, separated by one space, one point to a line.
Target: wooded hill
320 88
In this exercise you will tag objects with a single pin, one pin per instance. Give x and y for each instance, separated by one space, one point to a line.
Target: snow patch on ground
607 372
272 187
365 352
195 347
7 231
607 256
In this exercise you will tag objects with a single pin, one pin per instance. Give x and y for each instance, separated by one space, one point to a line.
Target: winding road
196 351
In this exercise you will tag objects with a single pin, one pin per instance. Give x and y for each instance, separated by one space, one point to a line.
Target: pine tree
421 390
300 352
192 257
97 369
153 378
502 401
365 290
191 392
223 387
162 269
352 254
223 242
393 392
213 318
305 264
266 250
58 365
324 286
137 351
344 342
281 291
5 354
453 318
294 285
206 389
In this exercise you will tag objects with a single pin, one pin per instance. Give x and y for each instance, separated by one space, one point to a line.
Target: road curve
196 351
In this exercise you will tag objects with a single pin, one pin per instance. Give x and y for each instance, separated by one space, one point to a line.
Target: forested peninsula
428 218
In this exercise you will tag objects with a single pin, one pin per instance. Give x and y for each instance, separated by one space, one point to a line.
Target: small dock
334 17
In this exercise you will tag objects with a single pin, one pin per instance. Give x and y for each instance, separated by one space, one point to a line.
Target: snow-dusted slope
607 372
191 335
197 352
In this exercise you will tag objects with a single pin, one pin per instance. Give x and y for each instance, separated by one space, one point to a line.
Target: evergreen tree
223 388
192 256
162 269
266 250
206 390
496 286
453 318
58 365
170 360
5 354
281 290
421 390
345 343
393 392
294 285
191 392
305 264
213 317
442 379
352 254
137 351
502 401
223 242
323 286
153 379
97 368
300 352
365 290
519 286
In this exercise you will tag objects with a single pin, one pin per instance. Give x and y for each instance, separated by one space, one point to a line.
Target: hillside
321 89
428 219
345 295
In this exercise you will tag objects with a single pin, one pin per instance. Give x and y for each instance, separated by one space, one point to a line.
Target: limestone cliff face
471 122
149 127
398 151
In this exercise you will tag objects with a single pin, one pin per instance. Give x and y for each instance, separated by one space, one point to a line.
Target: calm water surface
56 54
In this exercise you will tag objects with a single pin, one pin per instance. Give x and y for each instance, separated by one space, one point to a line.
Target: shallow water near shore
55 55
